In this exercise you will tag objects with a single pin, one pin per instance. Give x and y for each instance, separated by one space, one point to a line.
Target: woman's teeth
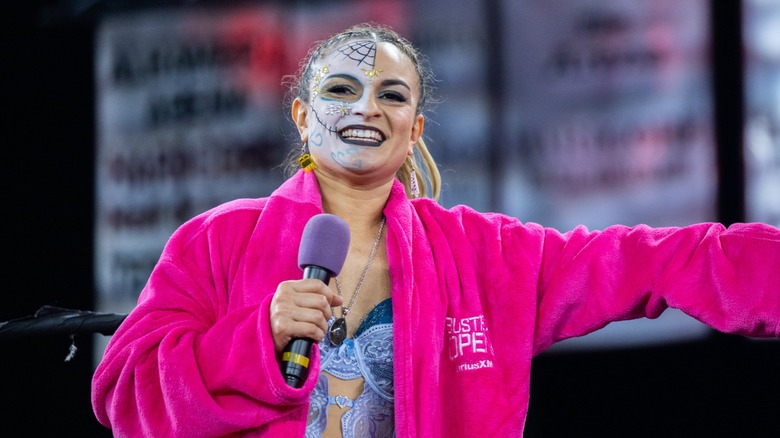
361 134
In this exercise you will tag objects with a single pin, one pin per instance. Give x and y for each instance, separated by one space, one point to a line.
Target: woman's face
362 118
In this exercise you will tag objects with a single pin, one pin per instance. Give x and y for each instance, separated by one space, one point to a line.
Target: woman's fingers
301 309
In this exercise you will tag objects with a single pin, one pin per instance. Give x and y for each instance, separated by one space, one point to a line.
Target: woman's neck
360 206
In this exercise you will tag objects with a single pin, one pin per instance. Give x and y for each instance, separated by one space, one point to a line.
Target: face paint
362 52
316 81
356 107
338 108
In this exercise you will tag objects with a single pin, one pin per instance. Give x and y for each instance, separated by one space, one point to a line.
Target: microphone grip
317 272
295 361
296 354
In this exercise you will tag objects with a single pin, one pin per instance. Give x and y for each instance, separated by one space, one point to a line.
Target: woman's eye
340 89
394 96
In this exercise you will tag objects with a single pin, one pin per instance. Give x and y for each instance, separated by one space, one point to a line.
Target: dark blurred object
50 321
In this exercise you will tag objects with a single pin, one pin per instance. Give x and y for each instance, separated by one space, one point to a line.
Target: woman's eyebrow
390 82
342 76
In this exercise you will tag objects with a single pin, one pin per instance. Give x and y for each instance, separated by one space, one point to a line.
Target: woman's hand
301 309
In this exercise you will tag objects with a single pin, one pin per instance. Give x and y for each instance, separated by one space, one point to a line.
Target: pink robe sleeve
728 278
188 361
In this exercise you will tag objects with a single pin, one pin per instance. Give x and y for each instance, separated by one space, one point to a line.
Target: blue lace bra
369 355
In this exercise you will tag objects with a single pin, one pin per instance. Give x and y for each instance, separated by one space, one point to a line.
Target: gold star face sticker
316 81
371 73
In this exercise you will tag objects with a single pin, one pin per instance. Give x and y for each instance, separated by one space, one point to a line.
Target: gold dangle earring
305 160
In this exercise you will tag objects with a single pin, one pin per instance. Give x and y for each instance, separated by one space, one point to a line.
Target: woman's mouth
362 136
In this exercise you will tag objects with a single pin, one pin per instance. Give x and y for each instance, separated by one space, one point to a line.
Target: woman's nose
366 106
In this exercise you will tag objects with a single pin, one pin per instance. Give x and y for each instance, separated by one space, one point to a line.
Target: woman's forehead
369 57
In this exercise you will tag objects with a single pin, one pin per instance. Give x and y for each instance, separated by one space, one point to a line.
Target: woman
443 308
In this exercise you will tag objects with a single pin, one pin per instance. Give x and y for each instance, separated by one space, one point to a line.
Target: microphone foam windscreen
324 243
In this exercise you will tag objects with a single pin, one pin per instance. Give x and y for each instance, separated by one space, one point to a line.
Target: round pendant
338 331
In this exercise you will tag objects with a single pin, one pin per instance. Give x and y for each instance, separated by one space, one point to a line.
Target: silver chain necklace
338 331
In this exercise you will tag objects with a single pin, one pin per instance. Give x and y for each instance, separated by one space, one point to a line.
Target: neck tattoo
338 331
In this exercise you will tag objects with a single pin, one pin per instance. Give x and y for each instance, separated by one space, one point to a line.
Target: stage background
122 121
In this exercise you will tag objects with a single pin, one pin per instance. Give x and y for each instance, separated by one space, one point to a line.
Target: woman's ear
417 130
299 116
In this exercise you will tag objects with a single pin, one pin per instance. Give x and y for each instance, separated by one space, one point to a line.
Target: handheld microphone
324 246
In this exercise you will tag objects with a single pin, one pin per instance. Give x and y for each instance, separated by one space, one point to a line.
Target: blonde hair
424 166
422 162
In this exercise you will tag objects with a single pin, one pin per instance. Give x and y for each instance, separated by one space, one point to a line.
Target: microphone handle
295 356
318 272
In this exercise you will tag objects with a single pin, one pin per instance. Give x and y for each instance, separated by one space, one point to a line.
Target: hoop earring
305 160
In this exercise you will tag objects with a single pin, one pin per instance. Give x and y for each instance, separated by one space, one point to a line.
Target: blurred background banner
188 116
608 113
762 112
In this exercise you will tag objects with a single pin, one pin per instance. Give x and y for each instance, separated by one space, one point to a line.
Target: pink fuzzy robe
475 297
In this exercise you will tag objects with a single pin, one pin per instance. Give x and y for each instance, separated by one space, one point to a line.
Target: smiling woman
363 111
430 326
366 68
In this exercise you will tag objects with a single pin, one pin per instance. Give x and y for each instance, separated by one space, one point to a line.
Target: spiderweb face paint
364 53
